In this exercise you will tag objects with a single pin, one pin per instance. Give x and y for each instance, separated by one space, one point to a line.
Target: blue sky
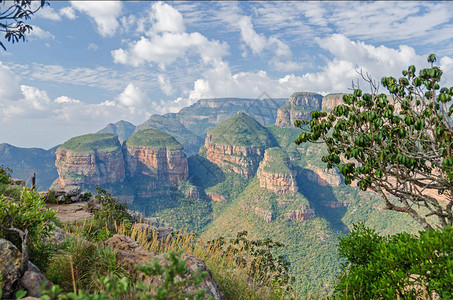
90 63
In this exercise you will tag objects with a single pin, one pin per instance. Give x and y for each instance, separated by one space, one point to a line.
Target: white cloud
9 84
46 12
335 76
68 12
92 46
165 18
39 33
65 99
104 14
165 84
166 48
133 96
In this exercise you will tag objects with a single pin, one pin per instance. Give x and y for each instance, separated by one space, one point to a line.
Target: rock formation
274 173
298 107
156 154
331 100
323 176
90 159
306 213
238 144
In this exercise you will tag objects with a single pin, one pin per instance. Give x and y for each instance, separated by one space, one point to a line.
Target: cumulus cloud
68 12
40 33
133 96
166 41
65 99
104 14
336 75
165 18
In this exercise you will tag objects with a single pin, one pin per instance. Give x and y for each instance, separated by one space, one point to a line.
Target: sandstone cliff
306 213
298 107
238 144
323 176
156 154
90 159
274 173
331 100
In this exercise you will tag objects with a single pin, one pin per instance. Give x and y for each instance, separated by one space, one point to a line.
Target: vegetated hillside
207 113
122 129
26 161
187 138
309 221
92 142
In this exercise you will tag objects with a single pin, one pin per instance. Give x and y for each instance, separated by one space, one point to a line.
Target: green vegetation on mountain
242 130
172 126
153 138
122 129
278 161
92 142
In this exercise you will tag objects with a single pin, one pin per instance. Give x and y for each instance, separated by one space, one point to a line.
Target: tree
11 19
398 145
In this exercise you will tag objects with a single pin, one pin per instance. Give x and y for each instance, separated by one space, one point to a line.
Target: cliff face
306 213
237 145
298 107
274 173
323 177
156 154
238 159
331 100
160 163
89 168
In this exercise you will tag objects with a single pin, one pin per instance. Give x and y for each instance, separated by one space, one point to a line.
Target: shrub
5 177
31 214
402 265
175 284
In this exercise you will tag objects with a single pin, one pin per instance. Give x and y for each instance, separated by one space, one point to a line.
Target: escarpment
238 144
157 154
90 159
274 173
298 107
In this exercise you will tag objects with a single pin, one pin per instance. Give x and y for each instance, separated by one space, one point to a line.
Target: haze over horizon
87 64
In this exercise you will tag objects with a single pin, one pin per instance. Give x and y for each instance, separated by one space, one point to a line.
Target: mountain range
219 167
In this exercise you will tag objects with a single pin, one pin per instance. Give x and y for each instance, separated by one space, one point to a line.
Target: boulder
71 191
32 280
10 258
130 253
57 237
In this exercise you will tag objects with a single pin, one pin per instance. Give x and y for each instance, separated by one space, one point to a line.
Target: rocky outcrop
160 163
91 159
323 176
156 154
274 173
238 144
331 100
130 253
193 193
264 214
304 214
238 159
215 197
298 107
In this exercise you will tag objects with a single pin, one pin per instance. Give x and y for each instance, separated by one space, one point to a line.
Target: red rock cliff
89 168
278 181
